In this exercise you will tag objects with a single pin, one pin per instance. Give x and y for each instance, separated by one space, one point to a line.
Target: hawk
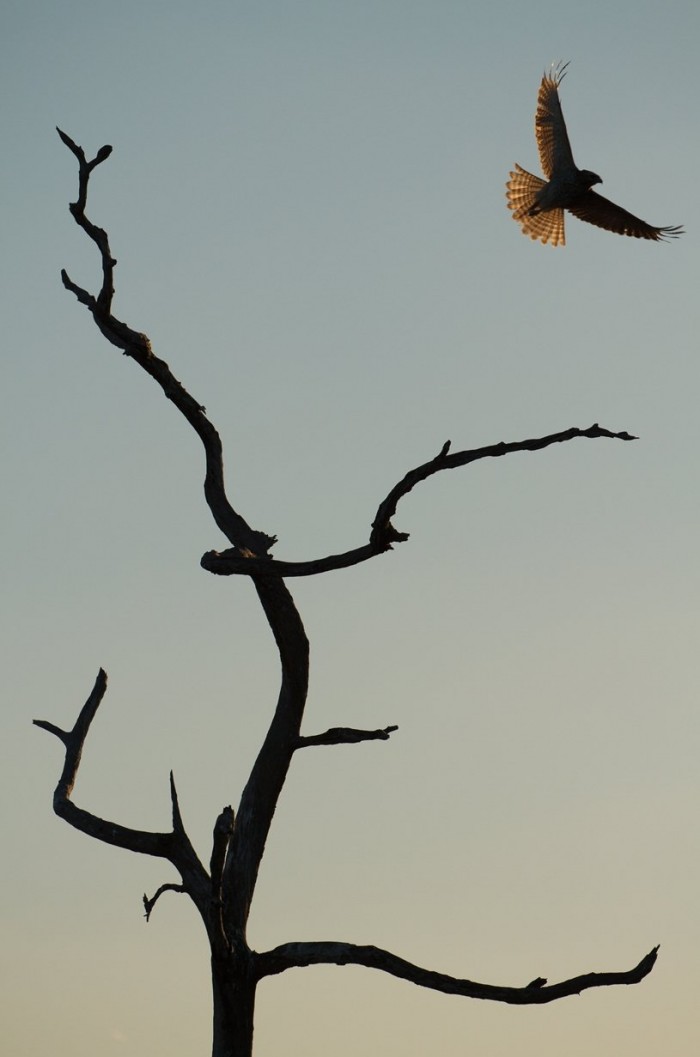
538 205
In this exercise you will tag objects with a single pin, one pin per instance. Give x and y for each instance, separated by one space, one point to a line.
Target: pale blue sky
307 204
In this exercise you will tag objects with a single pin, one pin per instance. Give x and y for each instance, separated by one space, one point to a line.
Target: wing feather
597 210
550 127
522 189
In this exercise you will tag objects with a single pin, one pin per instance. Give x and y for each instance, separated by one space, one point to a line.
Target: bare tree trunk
233 993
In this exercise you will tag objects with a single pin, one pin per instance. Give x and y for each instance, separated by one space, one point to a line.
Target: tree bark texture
233 996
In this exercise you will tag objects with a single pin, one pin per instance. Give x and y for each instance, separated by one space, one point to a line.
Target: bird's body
538 205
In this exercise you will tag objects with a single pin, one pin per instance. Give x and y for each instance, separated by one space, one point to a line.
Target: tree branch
297 955
98 235
150 903
345 736
138 347
174 846
383 534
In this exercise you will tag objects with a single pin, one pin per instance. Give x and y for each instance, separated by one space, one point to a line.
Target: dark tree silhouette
223 891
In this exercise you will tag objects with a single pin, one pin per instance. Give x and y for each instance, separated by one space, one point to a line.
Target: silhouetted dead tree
223 892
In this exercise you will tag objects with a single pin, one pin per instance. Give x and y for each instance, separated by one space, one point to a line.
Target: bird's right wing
603 213
550 128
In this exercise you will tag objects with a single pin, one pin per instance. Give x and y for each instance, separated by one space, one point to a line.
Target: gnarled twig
148 904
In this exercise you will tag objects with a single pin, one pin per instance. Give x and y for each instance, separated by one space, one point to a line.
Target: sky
307 205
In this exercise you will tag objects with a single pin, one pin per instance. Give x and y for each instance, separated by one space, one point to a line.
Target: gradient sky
307 204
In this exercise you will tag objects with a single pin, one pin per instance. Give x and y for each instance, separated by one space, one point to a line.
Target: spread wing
597 210
550 128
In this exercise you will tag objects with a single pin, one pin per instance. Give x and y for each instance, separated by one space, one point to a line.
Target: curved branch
383 534
148 904
297 955
138 347
445 461
174 846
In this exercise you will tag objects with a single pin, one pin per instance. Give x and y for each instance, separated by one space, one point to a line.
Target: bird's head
590 177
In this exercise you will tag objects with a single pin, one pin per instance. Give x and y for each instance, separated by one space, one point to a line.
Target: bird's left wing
597 210
550 128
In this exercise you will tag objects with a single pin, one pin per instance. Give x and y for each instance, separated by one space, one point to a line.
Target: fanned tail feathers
547 226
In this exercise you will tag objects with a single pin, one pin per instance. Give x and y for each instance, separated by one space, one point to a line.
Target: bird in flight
538 205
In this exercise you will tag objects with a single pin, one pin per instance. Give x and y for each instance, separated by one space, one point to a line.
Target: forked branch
383 534
174 846
297 955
